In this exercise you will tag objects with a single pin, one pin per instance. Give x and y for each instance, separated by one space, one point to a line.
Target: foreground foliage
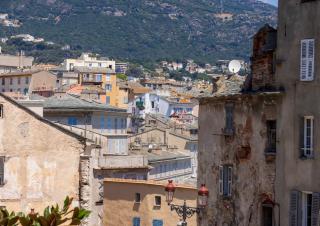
51 216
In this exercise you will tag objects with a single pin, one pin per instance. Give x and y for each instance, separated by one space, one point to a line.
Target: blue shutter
157 223
136 221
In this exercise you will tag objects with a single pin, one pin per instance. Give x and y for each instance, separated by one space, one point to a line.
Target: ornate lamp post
185 211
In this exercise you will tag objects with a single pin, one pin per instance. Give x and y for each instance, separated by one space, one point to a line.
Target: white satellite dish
234 66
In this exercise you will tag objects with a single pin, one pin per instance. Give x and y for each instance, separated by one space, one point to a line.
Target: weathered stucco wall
120 207
42 162
252 175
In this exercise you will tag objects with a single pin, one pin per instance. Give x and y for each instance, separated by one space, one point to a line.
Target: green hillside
141 30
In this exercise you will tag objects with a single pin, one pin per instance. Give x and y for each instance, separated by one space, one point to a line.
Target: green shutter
315 209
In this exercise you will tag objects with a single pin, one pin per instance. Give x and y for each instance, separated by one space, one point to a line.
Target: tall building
88 60
298 72
278 114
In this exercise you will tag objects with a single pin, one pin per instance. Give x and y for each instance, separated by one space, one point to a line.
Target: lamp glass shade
169 197
203 195
170 189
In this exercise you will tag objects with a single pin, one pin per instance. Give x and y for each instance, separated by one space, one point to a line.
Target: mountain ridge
143 30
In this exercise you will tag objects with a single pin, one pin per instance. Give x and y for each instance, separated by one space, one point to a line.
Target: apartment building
29 82
298 72
88 60
11 63
109 124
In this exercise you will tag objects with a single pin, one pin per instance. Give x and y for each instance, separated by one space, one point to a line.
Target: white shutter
310 73
221 180
307 60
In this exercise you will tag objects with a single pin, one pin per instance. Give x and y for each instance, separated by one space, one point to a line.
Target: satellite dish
234 66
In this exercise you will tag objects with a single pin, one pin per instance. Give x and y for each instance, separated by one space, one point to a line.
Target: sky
272 2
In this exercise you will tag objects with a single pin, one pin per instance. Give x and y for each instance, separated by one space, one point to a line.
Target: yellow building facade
143 203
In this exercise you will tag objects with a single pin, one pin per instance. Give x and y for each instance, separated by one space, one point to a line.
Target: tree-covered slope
144 30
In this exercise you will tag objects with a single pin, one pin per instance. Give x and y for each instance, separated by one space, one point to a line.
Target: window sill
307 157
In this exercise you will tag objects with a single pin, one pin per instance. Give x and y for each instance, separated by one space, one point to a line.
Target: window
107 99
229 119
25 91
108 77
2 158
19 81
72 121
27 80
267 215
99 64
306 137
157 223
136 221
108 87
1 111
115 125
152 104
225 180
157 200
307 60
123 125
3 81
137 198
11 81
304 208
109 124
98 78
271 136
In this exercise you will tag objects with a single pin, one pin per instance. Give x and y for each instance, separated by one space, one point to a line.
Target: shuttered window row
307 60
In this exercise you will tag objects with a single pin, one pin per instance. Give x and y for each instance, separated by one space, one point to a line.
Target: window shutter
295 208
221 180
301 137
310 73
315 209
2 170
303 60
229 180
307 60
136 221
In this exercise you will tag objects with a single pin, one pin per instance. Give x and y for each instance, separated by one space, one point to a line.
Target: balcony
123 162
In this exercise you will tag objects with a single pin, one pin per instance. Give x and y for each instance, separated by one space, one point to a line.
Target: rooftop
145 182
73 103
160 155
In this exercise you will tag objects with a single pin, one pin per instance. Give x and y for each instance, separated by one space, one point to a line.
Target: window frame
157 198
137 198
225 180
305 137
271 136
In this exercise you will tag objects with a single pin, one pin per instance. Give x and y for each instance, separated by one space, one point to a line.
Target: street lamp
185 211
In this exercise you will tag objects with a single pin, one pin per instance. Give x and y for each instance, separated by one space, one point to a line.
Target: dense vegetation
140 30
